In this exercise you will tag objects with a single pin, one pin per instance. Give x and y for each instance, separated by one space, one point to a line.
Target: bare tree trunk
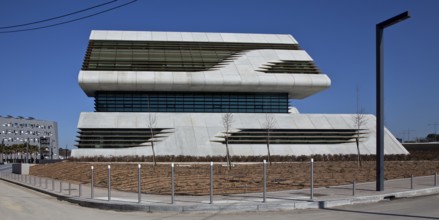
270 123
153 153
268 148
358 152
229 164
227 120
152 121
359 120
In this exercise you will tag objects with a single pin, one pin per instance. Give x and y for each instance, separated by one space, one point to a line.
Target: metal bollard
92 183
312 179
353 188
172 183
411 182
139 183
70 188
35 180
40 182
435 179
109 183
264 192
53 185
211 182
46 183
60 186
80 190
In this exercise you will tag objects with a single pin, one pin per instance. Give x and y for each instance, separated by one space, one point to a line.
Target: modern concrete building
174 88
21 130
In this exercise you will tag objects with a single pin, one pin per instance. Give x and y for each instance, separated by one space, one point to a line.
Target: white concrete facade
196 134
193 134
239 75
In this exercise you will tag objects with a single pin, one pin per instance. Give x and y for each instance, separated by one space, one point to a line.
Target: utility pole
403 135
408 133
435 124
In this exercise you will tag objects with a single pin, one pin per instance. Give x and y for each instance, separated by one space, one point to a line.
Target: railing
88 190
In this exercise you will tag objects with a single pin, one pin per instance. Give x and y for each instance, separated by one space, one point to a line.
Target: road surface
21 203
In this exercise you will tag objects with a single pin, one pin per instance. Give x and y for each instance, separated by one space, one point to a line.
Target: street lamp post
380 96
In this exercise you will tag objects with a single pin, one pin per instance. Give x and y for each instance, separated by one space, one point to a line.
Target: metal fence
90 191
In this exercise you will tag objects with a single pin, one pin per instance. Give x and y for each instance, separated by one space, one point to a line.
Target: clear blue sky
39 68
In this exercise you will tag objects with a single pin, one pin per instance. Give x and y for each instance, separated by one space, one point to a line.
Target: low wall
21 168
421 146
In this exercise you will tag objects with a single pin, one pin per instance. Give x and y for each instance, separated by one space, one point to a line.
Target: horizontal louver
293 136
119 138
288 66
166 55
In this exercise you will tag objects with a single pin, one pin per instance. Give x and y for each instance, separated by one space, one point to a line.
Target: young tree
151 123
360 120
269 124
227 120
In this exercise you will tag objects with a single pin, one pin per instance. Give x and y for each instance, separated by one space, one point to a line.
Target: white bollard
139 197
211 182
264 193
312 179
109 183
172 183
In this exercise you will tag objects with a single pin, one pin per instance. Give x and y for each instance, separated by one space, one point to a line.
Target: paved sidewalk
280 200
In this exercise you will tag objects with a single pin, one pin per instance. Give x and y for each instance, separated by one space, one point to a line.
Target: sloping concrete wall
194 132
